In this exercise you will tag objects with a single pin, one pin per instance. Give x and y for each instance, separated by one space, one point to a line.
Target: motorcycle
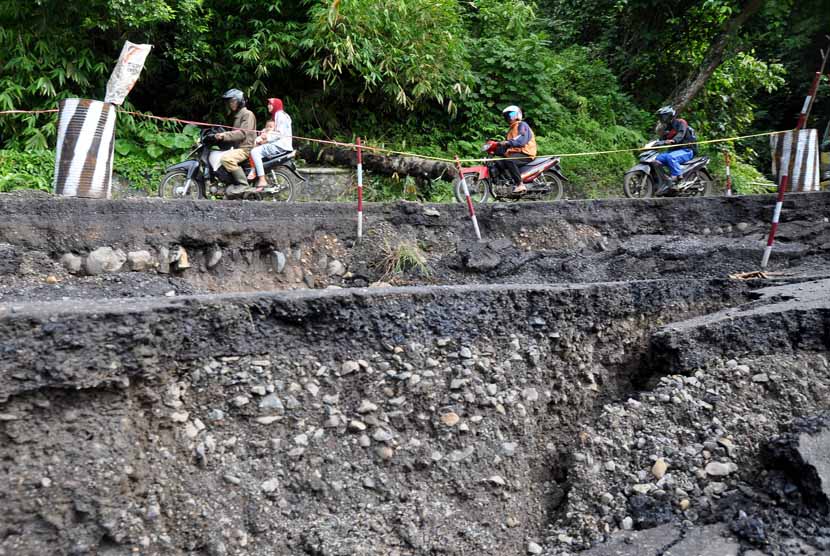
202 174
542 176
649 178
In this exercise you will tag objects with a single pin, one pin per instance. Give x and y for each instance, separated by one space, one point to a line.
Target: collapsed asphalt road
671 411
154 246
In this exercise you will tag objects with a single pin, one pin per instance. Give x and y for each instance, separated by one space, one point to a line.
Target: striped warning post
728 162
776 216
359 190
808 101
470 206
788 161
84 152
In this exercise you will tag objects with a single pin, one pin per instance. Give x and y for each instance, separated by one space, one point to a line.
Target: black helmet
235 94
666 114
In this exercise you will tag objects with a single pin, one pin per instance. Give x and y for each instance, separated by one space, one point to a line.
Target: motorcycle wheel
638 185
280 187
479 189
703 177
553 186
173 183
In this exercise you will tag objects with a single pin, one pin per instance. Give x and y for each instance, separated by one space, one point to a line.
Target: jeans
264 151
673 159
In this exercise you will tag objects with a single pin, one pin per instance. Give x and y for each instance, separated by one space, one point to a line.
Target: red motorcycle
542 176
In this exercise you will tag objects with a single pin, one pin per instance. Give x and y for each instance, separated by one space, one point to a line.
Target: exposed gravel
421 421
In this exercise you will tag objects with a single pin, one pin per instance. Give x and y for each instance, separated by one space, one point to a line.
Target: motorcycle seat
281 156
695 160
534 164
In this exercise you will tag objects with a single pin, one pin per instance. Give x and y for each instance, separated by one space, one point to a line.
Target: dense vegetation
424 75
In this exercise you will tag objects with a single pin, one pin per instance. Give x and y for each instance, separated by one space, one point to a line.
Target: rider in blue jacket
676 131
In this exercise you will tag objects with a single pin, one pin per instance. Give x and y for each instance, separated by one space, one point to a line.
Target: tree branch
694 83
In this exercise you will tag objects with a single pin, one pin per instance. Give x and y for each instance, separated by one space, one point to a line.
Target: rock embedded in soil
719 469
72 263
270 485
356 425
367 407
450 419
348 367
659 468
104 259
140 261
803 454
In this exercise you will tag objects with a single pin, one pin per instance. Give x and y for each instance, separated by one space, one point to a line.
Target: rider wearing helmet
243 120
520 144
675 131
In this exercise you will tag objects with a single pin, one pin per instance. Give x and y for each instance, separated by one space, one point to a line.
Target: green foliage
378 189
727 107
407 50
26 170
746 179
142 159
424 75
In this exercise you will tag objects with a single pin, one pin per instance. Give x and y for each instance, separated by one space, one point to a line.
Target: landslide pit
515 395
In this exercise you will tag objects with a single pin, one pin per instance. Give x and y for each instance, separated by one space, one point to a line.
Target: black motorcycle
203 175
649 178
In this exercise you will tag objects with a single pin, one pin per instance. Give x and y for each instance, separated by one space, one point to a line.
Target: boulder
336 268
104 259
140 260
803 454
72 263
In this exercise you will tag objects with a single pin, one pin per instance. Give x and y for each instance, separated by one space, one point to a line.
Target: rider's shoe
520 189
234 190
674 182
241 185
668 187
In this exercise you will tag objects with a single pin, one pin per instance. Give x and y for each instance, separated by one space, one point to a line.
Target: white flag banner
126 72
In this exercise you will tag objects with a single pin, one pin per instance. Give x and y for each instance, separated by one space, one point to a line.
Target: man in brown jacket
243 134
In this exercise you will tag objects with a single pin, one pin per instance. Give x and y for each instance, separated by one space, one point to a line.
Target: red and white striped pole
808 102
359 190
728 173
470 206
787 166
776 215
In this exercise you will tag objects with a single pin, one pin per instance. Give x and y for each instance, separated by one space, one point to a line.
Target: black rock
648 512
750 528
803 454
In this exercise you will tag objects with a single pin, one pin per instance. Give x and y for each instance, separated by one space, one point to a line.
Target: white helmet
511 113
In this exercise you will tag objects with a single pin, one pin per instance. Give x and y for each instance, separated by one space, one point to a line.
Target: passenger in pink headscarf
272 142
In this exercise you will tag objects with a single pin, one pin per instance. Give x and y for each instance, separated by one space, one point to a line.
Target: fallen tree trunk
419 168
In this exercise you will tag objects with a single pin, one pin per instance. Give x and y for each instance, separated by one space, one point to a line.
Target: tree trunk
418 168
695 82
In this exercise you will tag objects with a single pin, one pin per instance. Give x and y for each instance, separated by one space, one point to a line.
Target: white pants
262 151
